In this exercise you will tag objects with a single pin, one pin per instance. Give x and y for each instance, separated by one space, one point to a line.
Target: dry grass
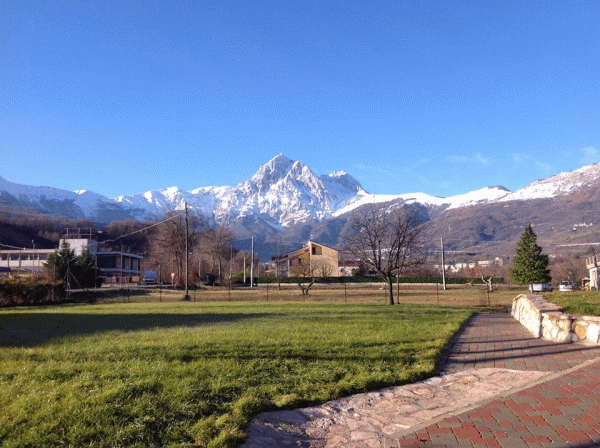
355 293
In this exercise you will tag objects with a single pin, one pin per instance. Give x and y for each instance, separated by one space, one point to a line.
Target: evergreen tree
60 263
529 265
76 271
85 273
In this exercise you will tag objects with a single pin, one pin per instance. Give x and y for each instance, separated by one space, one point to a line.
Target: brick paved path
498 340
563 411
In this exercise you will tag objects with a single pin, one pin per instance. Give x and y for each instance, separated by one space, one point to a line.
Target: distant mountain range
287 202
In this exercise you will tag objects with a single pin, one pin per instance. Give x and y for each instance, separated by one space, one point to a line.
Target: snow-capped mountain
558 185
282 193
73 204
285 192
154 204
483 196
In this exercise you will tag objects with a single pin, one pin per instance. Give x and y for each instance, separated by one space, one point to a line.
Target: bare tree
216 243
167 241
311 272
487 280
388 240
277 248
569 267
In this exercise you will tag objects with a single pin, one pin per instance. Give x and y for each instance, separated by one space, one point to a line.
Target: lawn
586 303
183 374
455 295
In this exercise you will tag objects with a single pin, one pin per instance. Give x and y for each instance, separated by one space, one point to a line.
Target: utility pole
252 265
187 296
121 282
443 265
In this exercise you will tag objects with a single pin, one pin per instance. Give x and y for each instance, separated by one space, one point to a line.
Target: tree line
388 241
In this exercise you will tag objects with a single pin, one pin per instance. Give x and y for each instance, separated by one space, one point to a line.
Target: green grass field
193 374
586 303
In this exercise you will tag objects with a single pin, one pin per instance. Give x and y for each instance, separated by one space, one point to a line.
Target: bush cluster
30 291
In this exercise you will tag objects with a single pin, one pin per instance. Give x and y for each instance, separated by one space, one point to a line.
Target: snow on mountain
557 185
482 196
284 191
80 203
281 193
154 204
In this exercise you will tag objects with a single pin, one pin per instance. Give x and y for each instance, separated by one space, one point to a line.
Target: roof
287 254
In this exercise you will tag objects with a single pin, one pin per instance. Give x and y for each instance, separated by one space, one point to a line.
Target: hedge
30 292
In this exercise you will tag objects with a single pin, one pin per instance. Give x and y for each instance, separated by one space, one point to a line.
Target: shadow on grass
98 295
31 329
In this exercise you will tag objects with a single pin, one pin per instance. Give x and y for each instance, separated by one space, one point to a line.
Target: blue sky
442 97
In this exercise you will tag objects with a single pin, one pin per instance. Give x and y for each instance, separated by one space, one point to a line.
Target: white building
24 261
593 264
114 266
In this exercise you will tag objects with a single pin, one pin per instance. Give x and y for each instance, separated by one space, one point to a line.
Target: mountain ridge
282 190
286 197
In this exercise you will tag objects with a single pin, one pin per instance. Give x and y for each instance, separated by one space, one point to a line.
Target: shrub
29 291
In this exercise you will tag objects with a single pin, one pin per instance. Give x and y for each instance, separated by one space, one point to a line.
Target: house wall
78 245
594 278
325 255
109 265
310 255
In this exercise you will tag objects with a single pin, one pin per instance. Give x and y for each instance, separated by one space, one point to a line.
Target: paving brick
512 443
561 412
488 442
574 436
435 429
466 433
546 431
538 420
443 439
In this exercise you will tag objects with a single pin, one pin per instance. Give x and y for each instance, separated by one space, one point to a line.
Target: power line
13 247
146 228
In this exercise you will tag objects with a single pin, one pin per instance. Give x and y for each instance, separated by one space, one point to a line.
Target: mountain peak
272 171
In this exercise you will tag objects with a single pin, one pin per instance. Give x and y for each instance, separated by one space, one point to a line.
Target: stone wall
544 319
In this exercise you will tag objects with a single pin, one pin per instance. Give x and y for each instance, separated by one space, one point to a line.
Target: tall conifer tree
529 265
